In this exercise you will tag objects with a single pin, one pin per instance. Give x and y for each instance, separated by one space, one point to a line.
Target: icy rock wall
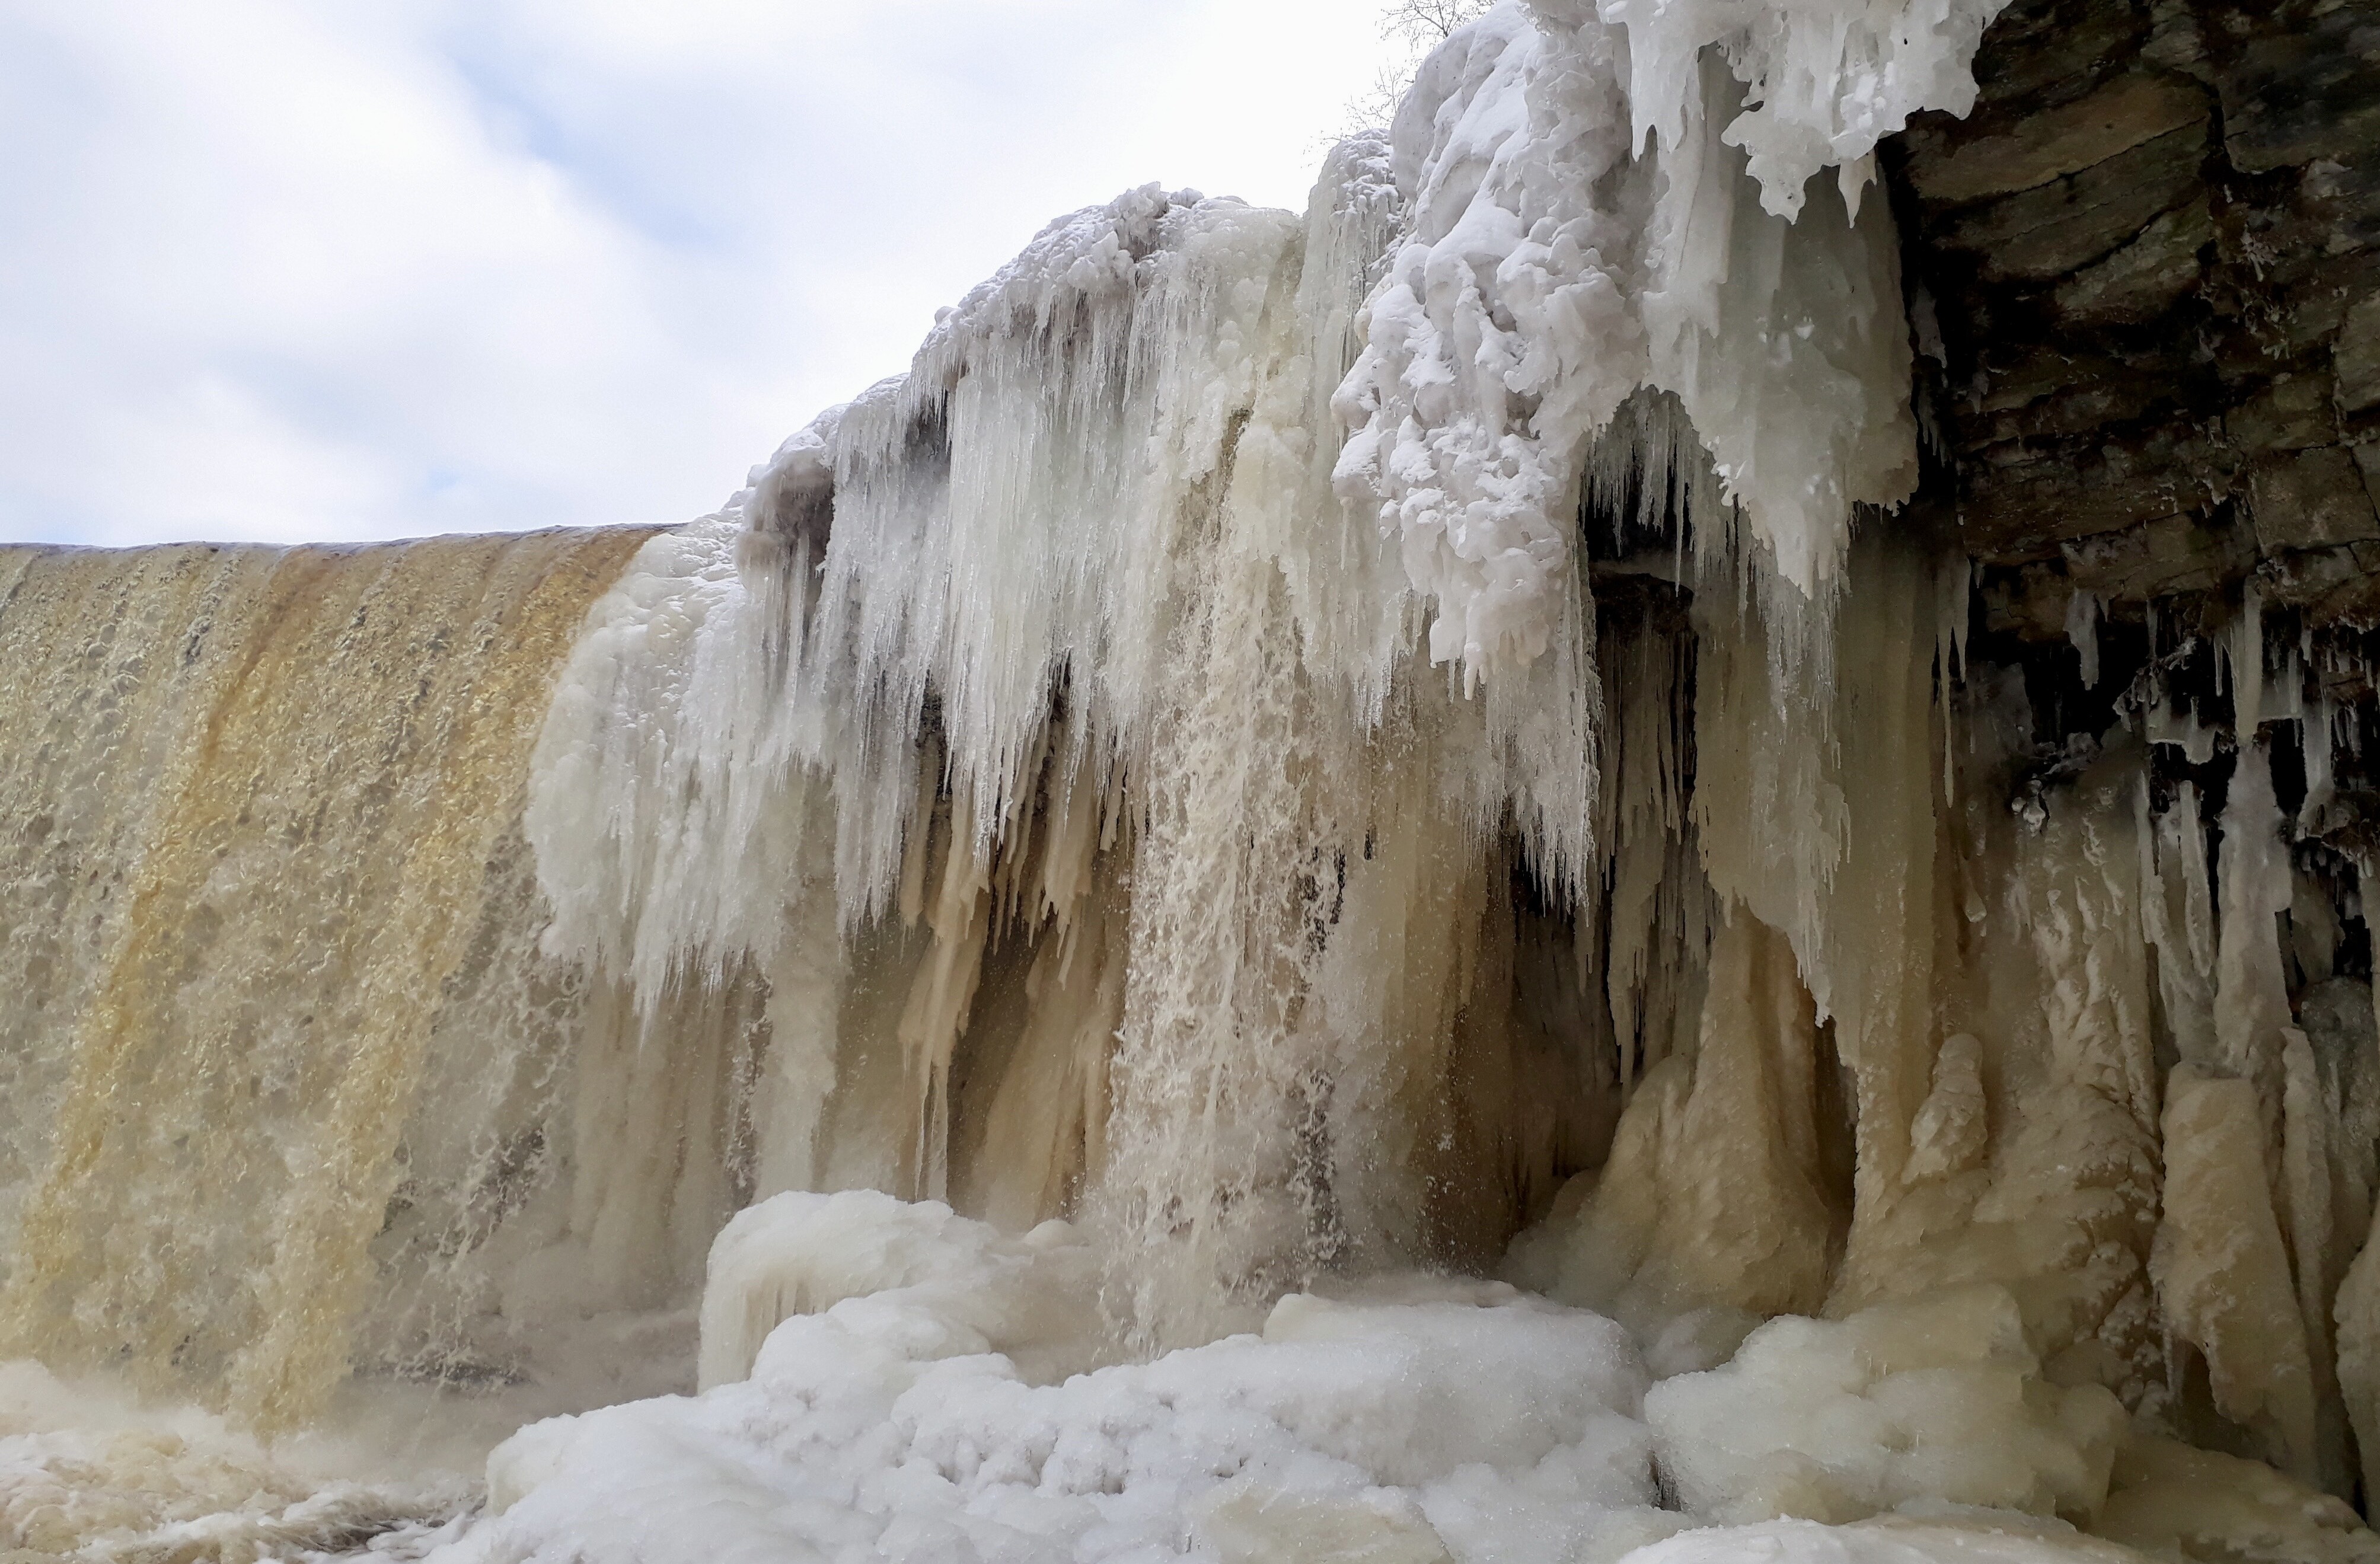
2053 1019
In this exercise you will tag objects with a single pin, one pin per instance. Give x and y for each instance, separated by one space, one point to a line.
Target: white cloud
272 269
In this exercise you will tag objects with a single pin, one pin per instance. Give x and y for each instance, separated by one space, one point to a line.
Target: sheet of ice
1409 1420
667 789
2171 1500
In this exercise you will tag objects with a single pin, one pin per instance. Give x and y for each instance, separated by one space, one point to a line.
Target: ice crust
1993 1540
804 1254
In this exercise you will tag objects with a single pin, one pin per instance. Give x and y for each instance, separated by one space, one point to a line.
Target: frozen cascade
1334 890
1553 264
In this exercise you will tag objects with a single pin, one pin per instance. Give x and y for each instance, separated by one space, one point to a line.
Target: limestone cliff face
2144 277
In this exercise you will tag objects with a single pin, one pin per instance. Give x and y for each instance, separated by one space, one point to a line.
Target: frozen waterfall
1341 888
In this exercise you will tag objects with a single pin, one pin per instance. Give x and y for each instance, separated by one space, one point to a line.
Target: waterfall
1344 886
281 1041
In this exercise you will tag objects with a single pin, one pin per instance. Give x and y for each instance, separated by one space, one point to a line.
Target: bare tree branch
1420 26
1425 23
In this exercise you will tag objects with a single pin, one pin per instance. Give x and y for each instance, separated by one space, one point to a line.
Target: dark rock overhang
2144 283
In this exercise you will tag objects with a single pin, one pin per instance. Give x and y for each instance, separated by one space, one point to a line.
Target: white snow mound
1423 1420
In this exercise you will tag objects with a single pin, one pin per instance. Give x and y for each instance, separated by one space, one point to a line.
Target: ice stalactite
1820 869
1825 82
2223 1272
1661 1237
1992 967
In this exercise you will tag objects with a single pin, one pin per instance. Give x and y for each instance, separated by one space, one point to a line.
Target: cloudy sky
335 269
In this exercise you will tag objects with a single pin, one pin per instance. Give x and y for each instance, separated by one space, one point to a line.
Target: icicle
2195 738
2243 658
2319 726
2308 1208
2358 1317
1829 80
1954 596
2083 614
1646 823
2251 1005
2180 918
2223 1274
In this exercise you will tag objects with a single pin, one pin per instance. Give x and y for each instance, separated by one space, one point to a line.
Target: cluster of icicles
1145 861
1196 624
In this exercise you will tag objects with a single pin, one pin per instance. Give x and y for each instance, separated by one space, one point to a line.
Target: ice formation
1336 889
897 1422
1555 259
